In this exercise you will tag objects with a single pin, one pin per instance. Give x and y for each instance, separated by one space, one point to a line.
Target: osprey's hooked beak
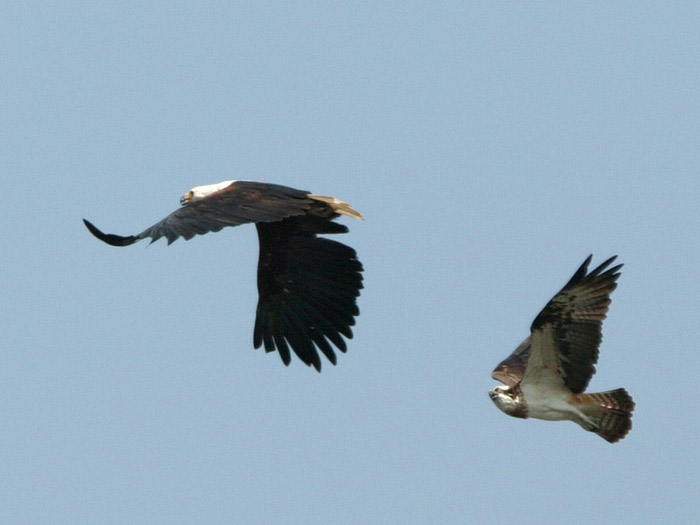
495 392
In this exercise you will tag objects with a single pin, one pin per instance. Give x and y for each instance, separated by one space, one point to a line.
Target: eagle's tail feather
610 412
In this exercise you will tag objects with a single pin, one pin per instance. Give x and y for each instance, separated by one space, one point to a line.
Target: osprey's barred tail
611 413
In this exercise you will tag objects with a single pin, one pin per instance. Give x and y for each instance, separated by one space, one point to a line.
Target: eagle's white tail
610 412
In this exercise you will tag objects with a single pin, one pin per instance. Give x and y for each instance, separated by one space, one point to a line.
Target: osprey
307 285
546 375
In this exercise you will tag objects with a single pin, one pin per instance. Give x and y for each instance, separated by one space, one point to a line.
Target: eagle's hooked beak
185 199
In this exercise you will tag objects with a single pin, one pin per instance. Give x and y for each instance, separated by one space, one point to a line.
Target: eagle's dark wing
510 371
239 203
568 331
308 288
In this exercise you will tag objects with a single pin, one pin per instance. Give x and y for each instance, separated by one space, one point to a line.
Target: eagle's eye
186 198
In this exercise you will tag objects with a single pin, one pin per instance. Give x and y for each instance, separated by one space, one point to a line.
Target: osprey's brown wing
307 286
510 371
568 331
239 203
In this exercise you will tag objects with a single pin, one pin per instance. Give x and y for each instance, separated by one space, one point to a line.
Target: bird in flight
546 376
307 285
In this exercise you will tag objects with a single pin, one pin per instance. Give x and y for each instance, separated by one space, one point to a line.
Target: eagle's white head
200 192
509 400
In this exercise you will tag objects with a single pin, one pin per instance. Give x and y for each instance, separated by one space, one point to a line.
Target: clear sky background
491 148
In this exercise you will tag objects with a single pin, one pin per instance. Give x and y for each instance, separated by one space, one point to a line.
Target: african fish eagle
307 285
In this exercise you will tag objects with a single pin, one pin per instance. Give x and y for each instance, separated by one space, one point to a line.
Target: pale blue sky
490 146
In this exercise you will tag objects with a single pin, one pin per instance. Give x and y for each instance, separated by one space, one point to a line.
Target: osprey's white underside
550 404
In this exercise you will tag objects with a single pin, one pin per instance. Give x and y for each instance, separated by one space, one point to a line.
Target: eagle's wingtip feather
109 238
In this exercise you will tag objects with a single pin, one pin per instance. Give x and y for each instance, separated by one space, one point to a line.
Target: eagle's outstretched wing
239 203
308 286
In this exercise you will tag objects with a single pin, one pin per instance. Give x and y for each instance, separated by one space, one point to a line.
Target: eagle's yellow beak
185 199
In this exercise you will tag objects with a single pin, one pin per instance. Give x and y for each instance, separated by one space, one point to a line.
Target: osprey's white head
200 192
509 401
